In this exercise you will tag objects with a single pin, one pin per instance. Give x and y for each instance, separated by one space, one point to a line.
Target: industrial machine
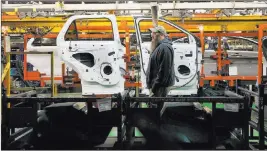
112 112
239 58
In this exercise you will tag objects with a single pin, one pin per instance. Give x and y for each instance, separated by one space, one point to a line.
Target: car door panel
186 57
97 62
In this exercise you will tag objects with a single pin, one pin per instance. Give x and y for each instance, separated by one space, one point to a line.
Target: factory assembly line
74 76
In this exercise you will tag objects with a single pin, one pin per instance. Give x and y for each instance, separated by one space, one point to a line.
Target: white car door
186 58
90 45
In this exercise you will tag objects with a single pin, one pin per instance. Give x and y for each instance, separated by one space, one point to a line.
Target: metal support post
261 117
52 75
5 131
5 71
201 82
130 130
89 120
25 69
250 105
246 122
120 126
219 59
213 132
8 76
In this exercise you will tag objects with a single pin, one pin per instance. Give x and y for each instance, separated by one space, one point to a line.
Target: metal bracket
224 28
22 15
214 72
217 72
79 12
3 60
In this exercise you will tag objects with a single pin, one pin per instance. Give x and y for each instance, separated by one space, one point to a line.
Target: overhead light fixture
201 28
79 12
264 12
233 11
21 15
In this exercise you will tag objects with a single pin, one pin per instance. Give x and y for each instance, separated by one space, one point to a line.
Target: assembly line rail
124 106
258 126
30 120
232 98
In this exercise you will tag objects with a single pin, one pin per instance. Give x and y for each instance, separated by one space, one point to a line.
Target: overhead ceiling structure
108 1
139 6
217 15
182 8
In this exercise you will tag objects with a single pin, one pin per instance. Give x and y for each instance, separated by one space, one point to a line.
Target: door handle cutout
188 55
111 53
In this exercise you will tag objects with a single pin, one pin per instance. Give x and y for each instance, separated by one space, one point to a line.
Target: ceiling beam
138 6
90 1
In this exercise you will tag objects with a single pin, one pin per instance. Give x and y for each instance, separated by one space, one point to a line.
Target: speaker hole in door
107 70
183 70
85 58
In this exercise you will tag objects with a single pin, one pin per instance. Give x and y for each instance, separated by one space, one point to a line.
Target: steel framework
133 6
124 109
211 23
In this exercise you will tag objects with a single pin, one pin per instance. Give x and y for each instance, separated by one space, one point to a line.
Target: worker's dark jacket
160 71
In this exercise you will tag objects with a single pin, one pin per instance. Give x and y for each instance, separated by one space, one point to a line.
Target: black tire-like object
62 127
180 127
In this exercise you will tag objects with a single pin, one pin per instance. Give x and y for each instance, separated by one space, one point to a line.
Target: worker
160 72
159 77
225 44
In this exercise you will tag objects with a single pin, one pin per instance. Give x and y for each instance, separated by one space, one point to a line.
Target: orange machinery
35 75
221 62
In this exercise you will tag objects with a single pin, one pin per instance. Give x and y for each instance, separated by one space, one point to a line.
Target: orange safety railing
201 82
171 35
35 75
127 56
250 34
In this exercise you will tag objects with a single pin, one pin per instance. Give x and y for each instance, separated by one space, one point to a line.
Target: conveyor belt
25 94
61 95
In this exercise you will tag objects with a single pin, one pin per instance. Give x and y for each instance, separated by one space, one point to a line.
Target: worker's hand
154 88
150 93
